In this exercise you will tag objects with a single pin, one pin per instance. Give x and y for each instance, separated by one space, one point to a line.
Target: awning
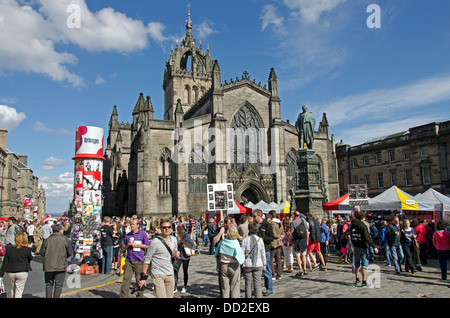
339 204
239 209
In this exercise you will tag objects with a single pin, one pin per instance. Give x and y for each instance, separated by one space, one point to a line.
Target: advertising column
87 191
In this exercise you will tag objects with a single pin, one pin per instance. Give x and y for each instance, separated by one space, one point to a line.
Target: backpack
300 231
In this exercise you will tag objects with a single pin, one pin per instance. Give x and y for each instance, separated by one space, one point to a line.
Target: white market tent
441 202
396 199
263 206
431 195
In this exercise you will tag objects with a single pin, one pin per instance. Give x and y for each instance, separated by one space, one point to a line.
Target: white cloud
307 49
10 118
104 30
99 81
270 16
381 112
385 103
52 162
38 126
33 32
204 30
310 11
58 187
155 30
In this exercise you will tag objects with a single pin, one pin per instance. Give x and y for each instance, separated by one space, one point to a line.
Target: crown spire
189 25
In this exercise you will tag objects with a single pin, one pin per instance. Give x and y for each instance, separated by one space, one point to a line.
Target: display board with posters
220 196
358 194
87 187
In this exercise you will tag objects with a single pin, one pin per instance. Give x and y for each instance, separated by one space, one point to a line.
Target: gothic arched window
246 139
187 94
197 171
164 172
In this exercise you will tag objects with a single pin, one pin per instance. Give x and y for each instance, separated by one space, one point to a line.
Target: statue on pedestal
305 128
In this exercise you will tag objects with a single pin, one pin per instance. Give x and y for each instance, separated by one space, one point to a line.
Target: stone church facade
213 131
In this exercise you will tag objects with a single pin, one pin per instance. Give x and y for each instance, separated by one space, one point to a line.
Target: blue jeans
361 257
397 256
444 257
107 259
268 274
211 246
387 253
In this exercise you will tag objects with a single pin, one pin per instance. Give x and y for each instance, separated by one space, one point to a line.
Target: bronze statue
305 128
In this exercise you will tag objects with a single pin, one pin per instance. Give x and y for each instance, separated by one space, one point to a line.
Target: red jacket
421 232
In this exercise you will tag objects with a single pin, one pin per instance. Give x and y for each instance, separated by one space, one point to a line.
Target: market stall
340 206
395 200
441 202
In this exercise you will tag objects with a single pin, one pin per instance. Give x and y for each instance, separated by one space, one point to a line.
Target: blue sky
370 81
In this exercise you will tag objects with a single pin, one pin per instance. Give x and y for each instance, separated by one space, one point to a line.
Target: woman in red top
421 232
441 240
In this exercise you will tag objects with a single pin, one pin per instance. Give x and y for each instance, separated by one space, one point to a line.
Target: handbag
2 290
2 250
188 250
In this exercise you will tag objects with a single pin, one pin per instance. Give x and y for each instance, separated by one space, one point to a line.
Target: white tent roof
441 201
396 199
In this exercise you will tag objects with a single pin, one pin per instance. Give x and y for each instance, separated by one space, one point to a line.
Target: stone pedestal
308 196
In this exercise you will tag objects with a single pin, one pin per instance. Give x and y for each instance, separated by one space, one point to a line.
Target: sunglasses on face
166 227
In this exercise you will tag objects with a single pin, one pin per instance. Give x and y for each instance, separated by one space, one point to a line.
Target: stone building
17 182
413 160
213 131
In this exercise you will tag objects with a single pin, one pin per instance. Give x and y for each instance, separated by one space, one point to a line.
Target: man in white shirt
160 253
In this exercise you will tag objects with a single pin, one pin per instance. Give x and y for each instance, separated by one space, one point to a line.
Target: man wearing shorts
361 241
300 242
315 236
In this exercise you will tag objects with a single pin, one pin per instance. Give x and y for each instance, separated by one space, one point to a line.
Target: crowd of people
258 248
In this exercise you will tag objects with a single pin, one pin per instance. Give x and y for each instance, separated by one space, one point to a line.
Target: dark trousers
409 260
443 257
423 254
176 269
54 282
275 255
323 249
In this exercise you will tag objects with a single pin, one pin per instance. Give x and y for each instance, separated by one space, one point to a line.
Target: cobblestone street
336 282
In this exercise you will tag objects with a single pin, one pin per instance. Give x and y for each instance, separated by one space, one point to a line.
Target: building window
378 158
355 180
408 177
197 171
367 180
380 180
391 155
164 172
246 138
406 155
353 163
426 175
365 161
423 152
187 94
393 177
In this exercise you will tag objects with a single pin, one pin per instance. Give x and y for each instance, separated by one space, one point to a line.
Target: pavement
336 282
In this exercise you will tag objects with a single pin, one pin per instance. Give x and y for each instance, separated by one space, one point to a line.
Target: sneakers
183 290
315 266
